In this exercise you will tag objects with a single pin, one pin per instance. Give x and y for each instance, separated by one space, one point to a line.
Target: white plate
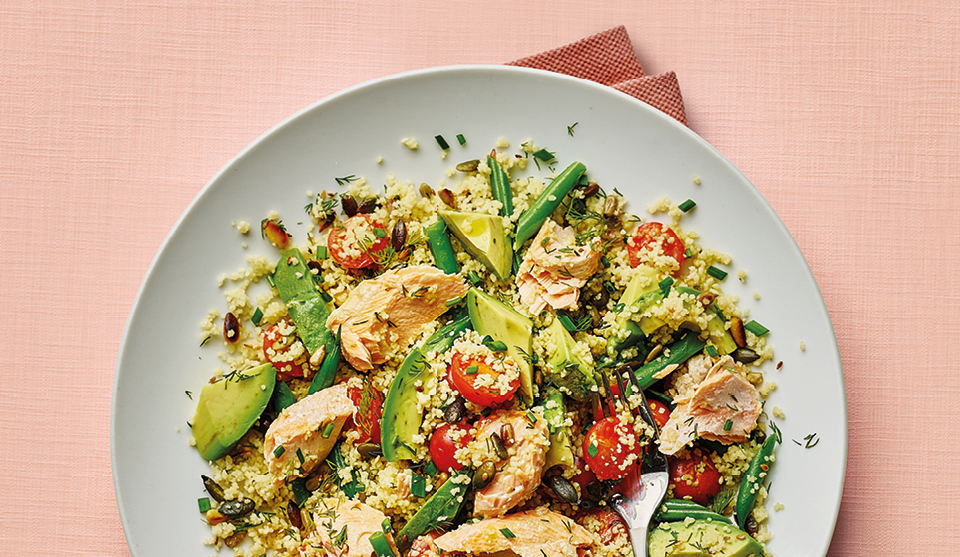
624 143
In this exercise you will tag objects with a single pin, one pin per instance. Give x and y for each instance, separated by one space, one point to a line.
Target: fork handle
638 537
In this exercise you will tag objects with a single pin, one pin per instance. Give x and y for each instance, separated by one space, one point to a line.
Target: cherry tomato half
369 403
444 444
695 477
608 446
606 523
477 381
283 349
660 411
650 234
352 243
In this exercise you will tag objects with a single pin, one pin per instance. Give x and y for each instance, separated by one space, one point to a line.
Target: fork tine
623 386
609 391
599 403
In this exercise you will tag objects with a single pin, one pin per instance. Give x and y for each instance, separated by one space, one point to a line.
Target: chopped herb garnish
328 430
507 533
300 456
592 450
453 301
728 425
379 232
431 469
811 441
472 370
570 128
204 504
442 142
566 322
756 328
380 545
712 351
205 340
544 155
326 296
495 345
278 452
189 395
460 139
716 273
418 485
257 316
687 205
346 180
321 252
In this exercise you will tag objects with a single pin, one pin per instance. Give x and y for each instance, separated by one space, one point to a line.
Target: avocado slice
641 292
401 420
555 412
484 237
492 317
308 310
566 370
439 509
229 407
701 538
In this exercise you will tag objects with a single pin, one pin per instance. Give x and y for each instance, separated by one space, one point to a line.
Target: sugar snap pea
327 373
753 479
500 185
282 397
441 248
531 219
677 353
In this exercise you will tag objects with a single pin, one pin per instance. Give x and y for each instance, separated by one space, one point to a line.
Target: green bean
753 479
441 248
677 353
531 219
677 510
500 185
327 373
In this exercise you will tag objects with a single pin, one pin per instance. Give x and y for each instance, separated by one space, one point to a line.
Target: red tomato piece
369 403
283 349
353 243
607 524
650 234
660 411
695 478
477 380
444 444
611 448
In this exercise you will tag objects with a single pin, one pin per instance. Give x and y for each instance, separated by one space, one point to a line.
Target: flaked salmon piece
518 477
555 268
307 429
343 529
381 315
537 533
724 408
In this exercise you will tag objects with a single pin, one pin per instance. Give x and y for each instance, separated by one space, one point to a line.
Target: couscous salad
421 374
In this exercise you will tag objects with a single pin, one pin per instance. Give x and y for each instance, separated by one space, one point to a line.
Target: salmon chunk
519 476
555 268
303 434
537 533
724 408
343 529
381 315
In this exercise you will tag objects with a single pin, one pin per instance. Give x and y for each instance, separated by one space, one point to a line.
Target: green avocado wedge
401 419
484 237
229 407
701 538
492 317
574 377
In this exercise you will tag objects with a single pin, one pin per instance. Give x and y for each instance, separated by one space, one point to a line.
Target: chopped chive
688 253
592 450
204 504
567 323
474 278
300 456
325 296
544 155
453 301
328 430
716 273
665 283
610 287
570 128
712 351
756 328
507 533
728 425
431 469
385 526
321 252
257 316
380 545
442 142
495 345
531 417
278 452
687 205
460 139
472 370
418 485
300 492
379 232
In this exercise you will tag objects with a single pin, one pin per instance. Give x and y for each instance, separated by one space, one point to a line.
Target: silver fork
640 492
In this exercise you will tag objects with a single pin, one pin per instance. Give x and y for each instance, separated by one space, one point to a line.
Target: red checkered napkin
608 58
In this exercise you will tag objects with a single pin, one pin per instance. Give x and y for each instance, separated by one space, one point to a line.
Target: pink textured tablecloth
113 115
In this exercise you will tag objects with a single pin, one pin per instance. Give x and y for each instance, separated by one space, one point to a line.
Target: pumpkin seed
469 166
237 508
484 475
398 238
455 412
563 488
448 198
348 204
426 190
293 513
213 488
369 450
498 446
745 355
